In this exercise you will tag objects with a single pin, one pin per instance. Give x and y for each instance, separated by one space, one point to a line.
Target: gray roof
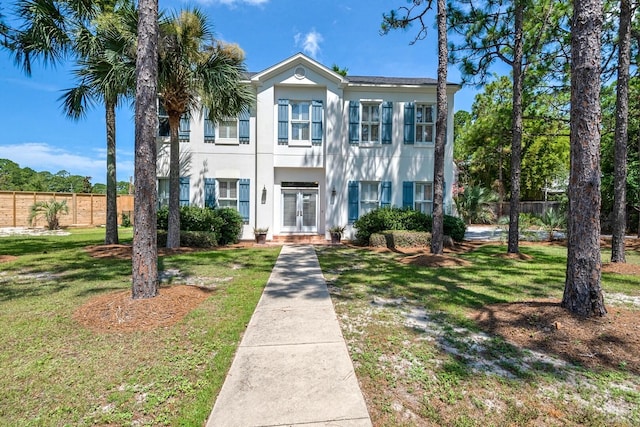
376 80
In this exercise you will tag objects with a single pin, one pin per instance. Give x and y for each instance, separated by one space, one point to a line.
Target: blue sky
36 133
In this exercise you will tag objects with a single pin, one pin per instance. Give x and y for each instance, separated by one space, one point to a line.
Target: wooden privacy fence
84 209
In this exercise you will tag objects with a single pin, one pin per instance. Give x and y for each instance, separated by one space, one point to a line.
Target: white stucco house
316 150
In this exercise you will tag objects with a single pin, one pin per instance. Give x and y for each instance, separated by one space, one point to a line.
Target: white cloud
44 157
310 42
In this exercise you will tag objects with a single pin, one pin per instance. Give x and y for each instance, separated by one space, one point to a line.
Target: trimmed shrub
392 218
228 225
454 227
193 239
416 220
401 238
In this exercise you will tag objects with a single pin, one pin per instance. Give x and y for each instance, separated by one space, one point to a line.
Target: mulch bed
118 312
612 341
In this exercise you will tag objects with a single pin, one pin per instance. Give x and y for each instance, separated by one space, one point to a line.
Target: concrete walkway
292 366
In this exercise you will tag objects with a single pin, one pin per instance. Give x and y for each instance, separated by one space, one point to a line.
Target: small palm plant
474 204
553 220
50 211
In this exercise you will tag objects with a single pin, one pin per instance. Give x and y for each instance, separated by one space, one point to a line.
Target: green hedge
392 218
193 239
400 238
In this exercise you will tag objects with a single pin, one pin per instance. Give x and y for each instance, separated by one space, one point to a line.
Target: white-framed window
370 122
300 121
163 122
228 193
369 196
423 197
425 123
163 192
228 129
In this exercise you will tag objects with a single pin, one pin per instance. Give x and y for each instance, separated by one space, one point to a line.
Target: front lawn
483 342
55 371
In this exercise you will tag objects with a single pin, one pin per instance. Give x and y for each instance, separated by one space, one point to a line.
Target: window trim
432 123
422 201
300 142
366 103
220 198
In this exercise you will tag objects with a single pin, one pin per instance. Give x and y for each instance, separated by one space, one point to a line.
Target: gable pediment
299 70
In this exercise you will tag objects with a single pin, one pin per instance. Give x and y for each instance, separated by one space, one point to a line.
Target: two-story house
317 150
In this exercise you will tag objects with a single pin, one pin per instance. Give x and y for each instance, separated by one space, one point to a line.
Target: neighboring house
316 150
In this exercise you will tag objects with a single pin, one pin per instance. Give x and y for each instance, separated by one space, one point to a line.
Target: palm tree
106 72
195 72
50 211
474 205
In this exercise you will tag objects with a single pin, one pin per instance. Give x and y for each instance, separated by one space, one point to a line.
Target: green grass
55 372
432 375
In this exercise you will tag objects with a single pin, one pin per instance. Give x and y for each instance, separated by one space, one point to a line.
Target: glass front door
300 210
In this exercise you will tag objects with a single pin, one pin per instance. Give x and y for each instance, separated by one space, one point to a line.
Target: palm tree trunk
173 231
516 144
144 259
582 291
621 135
111 229
437 230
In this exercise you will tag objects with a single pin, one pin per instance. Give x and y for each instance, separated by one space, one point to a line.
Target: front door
300 210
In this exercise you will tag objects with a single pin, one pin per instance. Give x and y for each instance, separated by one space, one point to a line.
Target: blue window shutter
354 200
210 193
184 191
409 125
407 194
354 122
243 125
185 127
244 197
209 130
387 122
316 122
385 196
283 121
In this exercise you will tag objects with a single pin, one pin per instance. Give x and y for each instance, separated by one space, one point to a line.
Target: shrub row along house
317 150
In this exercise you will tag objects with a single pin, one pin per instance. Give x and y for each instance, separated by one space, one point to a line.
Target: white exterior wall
271 167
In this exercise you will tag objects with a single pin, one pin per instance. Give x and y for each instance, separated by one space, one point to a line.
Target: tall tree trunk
437 230
111 229
516 143
173 231
144 259
582 291
621 135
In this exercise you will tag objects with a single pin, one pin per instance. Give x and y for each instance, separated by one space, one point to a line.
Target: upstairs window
164 129
419 123
230 130
370 123
163 122
424 123
300 122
